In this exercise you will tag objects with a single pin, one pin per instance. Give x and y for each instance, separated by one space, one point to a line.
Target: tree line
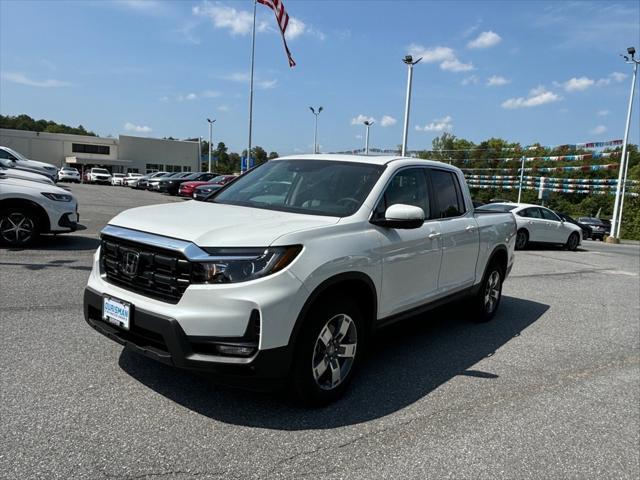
25 122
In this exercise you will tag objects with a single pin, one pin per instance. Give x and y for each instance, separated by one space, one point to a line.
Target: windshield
497 207
100 170
315 187
18 155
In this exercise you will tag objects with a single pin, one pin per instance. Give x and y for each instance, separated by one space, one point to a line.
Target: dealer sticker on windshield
116 312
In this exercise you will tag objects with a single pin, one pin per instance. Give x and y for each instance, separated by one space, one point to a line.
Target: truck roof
373 160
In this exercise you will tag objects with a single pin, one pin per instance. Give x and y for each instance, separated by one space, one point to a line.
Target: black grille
160 274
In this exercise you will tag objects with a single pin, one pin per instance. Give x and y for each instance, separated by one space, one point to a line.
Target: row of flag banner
576 168
498 183
558 190
608 181
571 146
549 158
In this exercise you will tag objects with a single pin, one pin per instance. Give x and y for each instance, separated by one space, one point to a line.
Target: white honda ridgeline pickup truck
283 274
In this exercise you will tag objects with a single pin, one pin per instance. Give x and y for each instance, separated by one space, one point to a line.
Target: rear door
460 238
557 231
411 257
535 224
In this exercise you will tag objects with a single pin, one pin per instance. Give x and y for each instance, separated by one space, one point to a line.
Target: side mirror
401 216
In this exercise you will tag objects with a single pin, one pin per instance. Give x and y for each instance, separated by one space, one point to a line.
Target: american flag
282 17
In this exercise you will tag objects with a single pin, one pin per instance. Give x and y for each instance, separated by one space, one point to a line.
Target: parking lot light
315 135
368 124
408 60
614 236
211 122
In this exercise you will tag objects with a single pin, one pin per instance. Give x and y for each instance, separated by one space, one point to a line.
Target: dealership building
123 154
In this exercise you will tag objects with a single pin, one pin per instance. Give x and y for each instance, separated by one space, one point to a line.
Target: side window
447 193
532 213
549 215
408 187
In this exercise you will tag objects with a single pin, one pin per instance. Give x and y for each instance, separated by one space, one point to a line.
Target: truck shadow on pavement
60 243
406 362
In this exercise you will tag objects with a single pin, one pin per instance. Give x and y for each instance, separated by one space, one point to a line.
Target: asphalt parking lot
549 389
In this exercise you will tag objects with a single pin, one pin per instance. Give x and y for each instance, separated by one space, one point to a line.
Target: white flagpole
253 52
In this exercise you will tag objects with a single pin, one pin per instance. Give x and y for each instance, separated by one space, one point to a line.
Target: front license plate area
116 312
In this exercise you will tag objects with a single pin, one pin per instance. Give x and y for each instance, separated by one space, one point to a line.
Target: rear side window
447 193
530 213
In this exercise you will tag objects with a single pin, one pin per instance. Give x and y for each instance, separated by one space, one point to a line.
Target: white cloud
360 119
144 6
455 65
295 28
359 136
496 81
617 76
443 55
612 77
578 84
241 77
191 96
485 40
387 121
223 108
130 127
438 125
603 113
600 129
22 79
537 96
473 79
238 22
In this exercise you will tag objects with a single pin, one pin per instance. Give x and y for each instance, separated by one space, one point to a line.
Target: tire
522 239
321 373
19 226
487 300
572 242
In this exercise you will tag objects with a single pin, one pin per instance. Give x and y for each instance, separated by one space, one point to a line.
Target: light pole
615 230
408 60
624 191
368 124
211 122
315 134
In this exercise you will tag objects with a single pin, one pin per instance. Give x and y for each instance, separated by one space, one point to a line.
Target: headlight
233 265
58 197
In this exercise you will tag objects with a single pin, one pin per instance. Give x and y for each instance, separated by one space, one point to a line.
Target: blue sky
546 72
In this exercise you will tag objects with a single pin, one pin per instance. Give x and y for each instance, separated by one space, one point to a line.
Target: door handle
470 228
433 236
530 222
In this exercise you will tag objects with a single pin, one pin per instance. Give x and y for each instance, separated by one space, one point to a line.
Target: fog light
235 350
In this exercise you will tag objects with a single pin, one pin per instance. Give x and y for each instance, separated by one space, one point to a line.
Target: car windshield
496 207
100 170
18 155
315 187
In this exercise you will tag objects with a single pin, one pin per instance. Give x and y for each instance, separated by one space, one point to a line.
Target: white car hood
217 225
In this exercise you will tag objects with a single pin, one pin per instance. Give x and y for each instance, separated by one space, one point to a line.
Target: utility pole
408 60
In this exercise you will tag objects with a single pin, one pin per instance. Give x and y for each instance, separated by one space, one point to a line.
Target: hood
47 166
25 175
217 225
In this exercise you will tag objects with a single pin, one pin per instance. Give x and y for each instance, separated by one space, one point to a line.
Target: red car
186 189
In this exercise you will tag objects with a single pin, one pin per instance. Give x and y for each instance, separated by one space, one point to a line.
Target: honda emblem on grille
129 263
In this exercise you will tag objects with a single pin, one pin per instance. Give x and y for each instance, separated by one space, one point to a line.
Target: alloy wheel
17 228
492 292
334 352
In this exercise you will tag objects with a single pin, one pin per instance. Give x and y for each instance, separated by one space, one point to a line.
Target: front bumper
161 338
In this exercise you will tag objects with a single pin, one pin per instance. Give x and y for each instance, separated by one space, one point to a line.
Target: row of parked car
30 202
196 185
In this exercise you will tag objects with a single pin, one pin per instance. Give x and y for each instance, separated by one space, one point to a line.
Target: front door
410 257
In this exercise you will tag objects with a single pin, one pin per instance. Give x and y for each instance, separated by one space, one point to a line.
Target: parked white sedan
117 179
538 224
69 174
131 179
